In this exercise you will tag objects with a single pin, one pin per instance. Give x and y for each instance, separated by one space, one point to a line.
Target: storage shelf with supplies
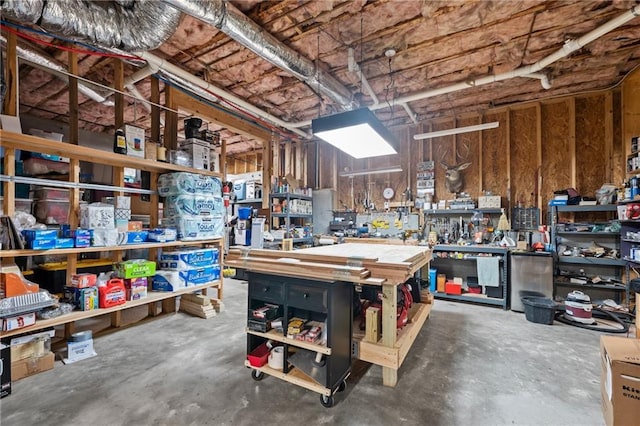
460 261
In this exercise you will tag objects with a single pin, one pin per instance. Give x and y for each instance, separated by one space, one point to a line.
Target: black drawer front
267 291
310 298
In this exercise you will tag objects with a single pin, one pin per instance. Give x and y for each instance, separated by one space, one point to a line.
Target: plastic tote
539 309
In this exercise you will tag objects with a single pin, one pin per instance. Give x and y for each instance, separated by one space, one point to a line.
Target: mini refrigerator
531 274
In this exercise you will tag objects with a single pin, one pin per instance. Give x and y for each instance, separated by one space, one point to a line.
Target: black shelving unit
322 367
616 269
464 265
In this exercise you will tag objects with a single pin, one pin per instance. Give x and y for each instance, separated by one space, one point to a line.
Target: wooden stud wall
575 141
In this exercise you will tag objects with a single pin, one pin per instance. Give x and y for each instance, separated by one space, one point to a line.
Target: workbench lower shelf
392 357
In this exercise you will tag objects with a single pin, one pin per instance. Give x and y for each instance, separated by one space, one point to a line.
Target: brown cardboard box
620 380
30 366
34 349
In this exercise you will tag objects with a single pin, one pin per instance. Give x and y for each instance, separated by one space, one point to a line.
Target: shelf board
274 335
461 211
599 286
292 215
295 376
591 261
590 233
472 248
249 201
298 240
153 296
19 253
630 260
83 153
291 196
476 298
578 209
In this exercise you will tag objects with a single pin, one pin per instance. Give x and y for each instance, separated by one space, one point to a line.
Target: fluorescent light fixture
393 169
358 133
457 130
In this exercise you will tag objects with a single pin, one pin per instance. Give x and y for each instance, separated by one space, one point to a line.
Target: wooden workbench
372 264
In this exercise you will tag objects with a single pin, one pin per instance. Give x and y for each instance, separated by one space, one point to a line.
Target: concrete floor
469 365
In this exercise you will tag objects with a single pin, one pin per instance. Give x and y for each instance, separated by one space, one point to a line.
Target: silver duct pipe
139 25
224 16
40 60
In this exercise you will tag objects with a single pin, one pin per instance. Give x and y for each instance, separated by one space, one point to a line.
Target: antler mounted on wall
454 180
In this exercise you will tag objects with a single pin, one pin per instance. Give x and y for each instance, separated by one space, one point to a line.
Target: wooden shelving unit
15 141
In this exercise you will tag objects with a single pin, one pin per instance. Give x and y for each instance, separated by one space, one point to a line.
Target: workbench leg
389 377
389 329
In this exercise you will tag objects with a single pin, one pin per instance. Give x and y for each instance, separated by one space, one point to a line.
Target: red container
452 288
475 290
258 357
113 294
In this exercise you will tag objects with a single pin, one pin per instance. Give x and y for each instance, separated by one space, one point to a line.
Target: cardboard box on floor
30 366
620 380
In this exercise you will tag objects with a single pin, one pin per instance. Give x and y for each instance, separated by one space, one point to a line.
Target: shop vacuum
577 308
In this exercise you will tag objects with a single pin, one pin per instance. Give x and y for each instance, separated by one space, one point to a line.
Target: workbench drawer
268 291
307 297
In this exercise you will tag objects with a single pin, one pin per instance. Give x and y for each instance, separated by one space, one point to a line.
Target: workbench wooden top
384 253
376 264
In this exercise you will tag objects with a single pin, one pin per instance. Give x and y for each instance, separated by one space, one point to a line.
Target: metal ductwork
124 24
40 60
224 16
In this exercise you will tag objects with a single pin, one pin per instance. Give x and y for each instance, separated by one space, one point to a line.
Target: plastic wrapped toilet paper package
182 183
188 259
196 227
175 280
195 205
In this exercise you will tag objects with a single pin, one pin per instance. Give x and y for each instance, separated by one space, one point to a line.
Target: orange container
441 280
113 294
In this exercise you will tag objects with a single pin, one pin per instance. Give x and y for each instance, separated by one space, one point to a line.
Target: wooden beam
238 125
170 119
538 194
118 84
223 159
572 139
155 110
608 136
11 99
267 171
72 58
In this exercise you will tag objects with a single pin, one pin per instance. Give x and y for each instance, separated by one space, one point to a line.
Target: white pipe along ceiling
158 20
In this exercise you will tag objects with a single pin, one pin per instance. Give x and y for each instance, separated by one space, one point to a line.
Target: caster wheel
319 361
343 386
326 401
257 375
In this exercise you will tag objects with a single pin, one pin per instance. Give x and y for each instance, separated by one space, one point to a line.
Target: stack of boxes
193 205
135 274
100 217
82 292
184 268
43 239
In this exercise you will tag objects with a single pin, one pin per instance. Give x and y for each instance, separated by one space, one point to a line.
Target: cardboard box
19 321
489 202
135 141
33 349
136 268
30 366
5 370
199 151
620 380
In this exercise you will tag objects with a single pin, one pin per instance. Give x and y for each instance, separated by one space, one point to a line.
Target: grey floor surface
470 365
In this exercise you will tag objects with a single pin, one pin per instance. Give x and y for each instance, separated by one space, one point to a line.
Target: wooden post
74 164
389 329
170 120
287 244
155 110
10 106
